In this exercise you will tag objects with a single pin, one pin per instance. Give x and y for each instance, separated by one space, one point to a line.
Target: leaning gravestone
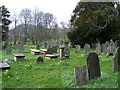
93 66
8 50
39 60
80 75
86 49
77 49
116 61
98 48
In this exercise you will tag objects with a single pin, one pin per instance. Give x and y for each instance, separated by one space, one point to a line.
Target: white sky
62 9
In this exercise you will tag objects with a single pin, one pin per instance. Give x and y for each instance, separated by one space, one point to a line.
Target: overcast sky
62 9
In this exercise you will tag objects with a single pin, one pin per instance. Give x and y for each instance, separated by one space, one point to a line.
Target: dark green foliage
4 15
95 21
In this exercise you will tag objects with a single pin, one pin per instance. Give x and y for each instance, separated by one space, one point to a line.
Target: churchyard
31 66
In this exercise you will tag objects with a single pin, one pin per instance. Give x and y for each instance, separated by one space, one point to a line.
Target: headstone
35 52
6 61
98 48
39 60
54 49
93 45
19 57
45 44
77 49
106 46
86 49
50 56
62 52
21 48
93 66
117 43
116 61
4 66
37 47
80 75
15 46
103 48
67 52
8 50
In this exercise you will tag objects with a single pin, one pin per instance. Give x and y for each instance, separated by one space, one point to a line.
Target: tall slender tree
4 22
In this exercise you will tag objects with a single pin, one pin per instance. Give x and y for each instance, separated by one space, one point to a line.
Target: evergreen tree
94 21
4 15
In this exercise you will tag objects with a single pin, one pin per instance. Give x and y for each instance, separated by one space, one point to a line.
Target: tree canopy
4 15
95 21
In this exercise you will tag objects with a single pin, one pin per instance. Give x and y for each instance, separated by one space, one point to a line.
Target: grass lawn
53 73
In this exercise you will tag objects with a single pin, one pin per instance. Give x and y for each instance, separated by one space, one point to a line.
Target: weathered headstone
103 48
86 49
50 56
67 52
18 57
39 60
6 61
77 49
4 66
21 48
62 52
98 48
37 47
45 45
117 43
93 66
8 50
106 47
80 75
116 61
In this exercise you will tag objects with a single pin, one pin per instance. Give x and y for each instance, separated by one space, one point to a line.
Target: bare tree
26 18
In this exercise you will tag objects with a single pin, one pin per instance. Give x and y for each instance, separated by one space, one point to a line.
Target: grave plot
45 51
4 66
35 52
19 57
50 56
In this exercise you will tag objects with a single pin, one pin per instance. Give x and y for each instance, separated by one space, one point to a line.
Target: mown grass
53 73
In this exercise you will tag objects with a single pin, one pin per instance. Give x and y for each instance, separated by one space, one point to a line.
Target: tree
4 15
93 21
26 18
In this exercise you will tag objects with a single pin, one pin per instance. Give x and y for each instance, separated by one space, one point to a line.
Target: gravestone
8 50
39 60
35 52
111 48
51 56
6 61
45 45
19 57
80 75
77 49
15 46
67 52
98 48
93 66
4 66
37 47
93 45
86 49
21 48
116 61
103 48
54 49
62 52
117 43
106 47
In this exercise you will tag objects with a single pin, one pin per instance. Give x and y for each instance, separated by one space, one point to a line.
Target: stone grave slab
4 66
19 57
35 52
50 56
